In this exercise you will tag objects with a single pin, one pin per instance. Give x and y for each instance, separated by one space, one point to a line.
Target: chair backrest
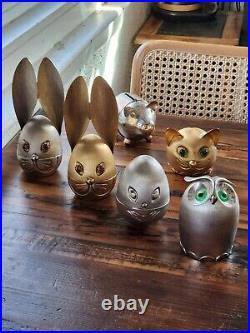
193 79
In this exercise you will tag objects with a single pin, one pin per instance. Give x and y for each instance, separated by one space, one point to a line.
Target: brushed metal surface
143 191
208 227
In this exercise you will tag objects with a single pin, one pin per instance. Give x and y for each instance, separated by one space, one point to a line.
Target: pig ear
172 135
214 135
153 105
24 91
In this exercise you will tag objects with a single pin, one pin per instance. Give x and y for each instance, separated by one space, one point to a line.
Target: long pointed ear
24 91
172 135
103 111
76 111
50 92
214 135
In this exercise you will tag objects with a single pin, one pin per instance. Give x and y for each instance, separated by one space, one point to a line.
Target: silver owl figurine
209 216
136 117
143 191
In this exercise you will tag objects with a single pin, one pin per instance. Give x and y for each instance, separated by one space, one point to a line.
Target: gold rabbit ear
24 91
103 111
76 111
50 92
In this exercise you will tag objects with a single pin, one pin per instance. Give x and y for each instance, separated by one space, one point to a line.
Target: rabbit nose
192 163
144 205
90 180
34 157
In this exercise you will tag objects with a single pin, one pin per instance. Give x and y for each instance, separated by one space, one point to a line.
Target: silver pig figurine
209 216
136 117
143 191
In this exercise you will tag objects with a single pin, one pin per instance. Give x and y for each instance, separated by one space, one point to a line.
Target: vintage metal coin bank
143 191
136 117
91 169
191 151
38 149
209 216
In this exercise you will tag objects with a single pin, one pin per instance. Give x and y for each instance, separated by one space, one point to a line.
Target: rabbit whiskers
98 189
43 165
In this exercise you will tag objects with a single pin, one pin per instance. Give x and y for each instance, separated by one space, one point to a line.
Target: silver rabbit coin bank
143 191
39 150
209 216
136 117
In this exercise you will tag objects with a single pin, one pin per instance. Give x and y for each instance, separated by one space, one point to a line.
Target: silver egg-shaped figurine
136 119
39 151
143 191
209 216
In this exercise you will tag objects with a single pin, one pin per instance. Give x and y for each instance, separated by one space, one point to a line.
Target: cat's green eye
223 196
204 151
201 195
182 151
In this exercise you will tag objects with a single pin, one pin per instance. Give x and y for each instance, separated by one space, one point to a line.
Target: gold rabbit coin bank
191 151
91 169
38 148
209 216
143 192
136 117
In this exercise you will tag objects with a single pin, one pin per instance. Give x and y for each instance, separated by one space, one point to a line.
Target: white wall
92 43
121 47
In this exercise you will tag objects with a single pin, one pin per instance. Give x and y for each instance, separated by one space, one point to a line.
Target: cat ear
152 105
214 135
172 135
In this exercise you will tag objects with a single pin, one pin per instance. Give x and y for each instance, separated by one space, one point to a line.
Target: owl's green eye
182 151
204 152
201 195
223 196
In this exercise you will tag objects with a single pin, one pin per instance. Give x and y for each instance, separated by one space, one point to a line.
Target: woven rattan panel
196 85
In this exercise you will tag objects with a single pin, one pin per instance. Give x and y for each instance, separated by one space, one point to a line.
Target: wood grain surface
62 256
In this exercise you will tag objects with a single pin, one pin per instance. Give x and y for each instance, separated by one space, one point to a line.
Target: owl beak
213 199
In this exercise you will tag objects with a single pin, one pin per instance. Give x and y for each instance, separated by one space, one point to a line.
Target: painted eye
132 194
201 195
45 146
155 194
26 146
100 169
223 196
79 168
204 151
182 151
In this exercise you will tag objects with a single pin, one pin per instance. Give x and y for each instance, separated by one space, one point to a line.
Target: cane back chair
192 79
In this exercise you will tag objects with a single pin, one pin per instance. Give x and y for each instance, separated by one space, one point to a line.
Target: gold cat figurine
191 151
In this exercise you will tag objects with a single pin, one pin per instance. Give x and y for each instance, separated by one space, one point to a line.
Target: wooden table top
62 257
